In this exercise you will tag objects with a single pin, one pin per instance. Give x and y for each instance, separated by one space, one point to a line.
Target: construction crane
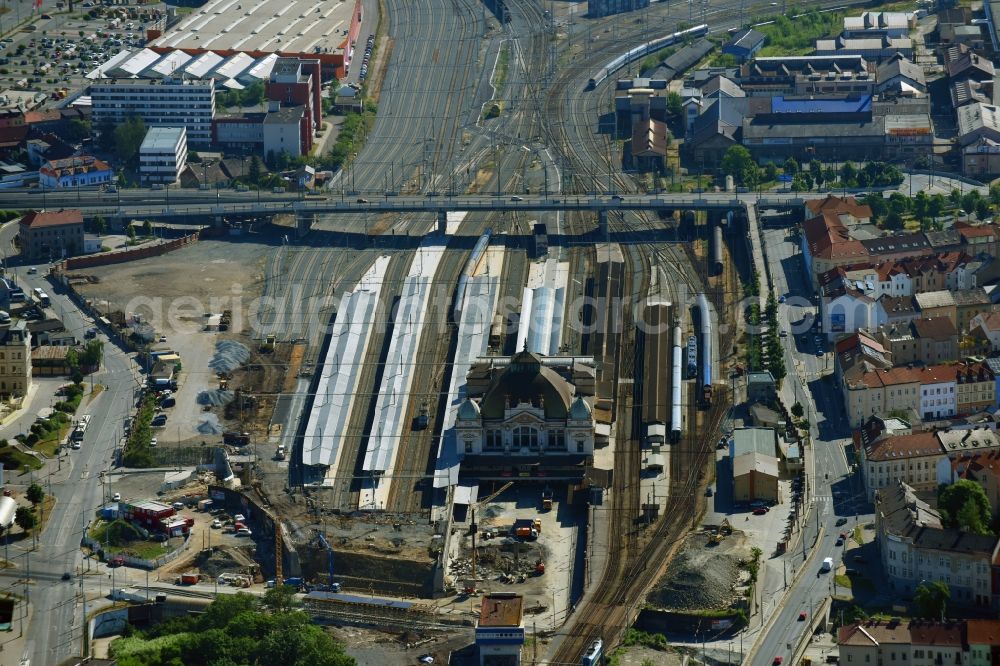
333 587
277 554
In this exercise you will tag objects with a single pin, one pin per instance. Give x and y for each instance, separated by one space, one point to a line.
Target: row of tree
739 163
891 212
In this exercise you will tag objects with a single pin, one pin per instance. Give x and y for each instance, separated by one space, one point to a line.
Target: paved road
835 491
54 631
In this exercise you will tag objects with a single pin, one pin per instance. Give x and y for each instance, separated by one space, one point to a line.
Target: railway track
346 488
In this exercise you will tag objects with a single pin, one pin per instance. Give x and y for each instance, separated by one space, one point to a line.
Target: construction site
385 477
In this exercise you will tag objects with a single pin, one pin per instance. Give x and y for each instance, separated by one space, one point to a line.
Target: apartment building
924 340
969 304
920 643
15 359
160 103
914 547
163 155
976 384
911 459
938 391
51 234
881 392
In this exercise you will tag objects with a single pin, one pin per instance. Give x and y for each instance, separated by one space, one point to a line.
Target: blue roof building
745 44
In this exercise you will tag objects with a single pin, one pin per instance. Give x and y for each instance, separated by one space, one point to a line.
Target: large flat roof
161 139
290 26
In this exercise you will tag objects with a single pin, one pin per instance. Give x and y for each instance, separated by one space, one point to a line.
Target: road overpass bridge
145 204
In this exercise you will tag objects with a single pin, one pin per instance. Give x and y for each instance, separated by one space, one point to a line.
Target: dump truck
527 528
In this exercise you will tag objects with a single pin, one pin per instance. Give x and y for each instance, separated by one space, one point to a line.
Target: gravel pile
208 424
697 579
229 355
215 397
216 562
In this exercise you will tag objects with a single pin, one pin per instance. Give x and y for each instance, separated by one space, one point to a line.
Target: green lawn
47 447
121 537
859 535
843 580
13 459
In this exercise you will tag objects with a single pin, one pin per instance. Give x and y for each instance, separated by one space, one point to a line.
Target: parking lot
765 525
53 54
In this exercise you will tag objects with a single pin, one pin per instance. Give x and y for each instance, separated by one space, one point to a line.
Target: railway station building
528 417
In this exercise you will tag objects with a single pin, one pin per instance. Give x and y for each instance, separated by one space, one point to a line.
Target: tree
128 138
130 232
982 209
35 494
738 163
816 171
798 410
937 205
790 167
147 228
279 599
893 221
25 518
964 505
932 599
106 135
92 353
829 175
254 171
848 174
770 171
675 113
77 130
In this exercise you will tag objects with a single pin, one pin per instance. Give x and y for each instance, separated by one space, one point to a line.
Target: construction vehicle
527 528
547 499
321 540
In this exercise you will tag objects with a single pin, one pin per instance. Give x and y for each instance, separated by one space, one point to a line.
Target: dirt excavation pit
702 576
502 560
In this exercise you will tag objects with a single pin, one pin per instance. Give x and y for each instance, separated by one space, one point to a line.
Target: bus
79 430
41 297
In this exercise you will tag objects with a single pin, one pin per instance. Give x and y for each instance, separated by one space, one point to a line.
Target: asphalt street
54 632
835 490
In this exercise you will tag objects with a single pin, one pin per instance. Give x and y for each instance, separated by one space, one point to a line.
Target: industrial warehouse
237 42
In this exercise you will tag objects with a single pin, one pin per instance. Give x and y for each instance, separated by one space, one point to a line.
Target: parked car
117 497
760 511
216 524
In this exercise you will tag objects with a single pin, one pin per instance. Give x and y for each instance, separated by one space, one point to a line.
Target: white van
827 565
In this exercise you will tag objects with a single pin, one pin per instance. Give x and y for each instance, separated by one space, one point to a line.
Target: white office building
163 155
160 103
